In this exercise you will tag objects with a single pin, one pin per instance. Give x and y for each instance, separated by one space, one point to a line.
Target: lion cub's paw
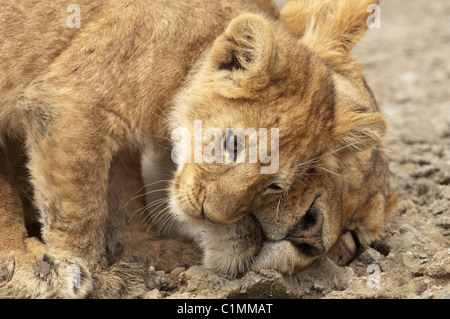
23 275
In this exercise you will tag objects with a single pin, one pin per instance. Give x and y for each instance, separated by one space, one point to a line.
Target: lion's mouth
306 235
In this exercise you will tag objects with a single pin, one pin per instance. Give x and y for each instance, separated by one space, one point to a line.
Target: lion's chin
281 256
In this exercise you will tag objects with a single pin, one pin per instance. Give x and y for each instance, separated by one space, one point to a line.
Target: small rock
445 193
154 294
175 274
357 263
439 207
440 265
444 178
409 78
406 229
200 279
444 222
424 171
370 256
427 294
406 205
418 270
158 278
326 276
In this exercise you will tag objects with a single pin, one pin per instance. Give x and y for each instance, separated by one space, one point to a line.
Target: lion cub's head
260 78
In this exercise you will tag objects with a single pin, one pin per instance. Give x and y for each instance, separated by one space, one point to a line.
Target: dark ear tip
246 55
233 65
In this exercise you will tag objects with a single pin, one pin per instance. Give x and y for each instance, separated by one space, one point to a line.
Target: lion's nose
307 235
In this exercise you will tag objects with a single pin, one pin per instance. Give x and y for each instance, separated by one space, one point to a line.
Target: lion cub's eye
232 146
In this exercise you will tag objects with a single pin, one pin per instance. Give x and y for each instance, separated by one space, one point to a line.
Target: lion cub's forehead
295 100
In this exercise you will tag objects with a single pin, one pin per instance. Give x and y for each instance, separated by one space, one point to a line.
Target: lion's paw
22 275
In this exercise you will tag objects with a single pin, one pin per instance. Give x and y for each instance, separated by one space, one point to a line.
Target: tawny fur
76 107
85 102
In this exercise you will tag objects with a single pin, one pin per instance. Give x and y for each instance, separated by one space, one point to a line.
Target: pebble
440 266
444 222
406 229
154 294
424 171
370 256
444 179
445 193
175 274
439 207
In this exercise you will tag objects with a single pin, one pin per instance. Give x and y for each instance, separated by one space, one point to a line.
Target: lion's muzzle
307 235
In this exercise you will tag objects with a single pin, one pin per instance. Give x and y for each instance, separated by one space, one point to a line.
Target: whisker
170 224
157 219
150 215
145 194
328 171
167 219
278 206
148 206
313 163
148 193
160 202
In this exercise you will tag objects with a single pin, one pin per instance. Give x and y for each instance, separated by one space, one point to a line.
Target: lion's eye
274 188
232 146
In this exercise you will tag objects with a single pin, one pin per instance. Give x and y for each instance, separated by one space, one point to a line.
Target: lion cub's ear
244 57
356 130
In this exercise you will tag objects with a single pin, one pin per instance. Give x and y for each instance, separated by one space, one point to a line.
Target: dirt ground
406 64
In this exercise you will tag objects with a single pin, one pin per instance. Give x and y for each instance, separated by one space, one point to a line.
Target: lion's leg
126 198
16 160
13 233
131 221
12 224
23 271
69 161
131 245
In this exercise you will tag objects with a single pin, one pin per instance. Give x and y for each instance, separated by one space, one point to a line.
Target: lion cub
86 101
